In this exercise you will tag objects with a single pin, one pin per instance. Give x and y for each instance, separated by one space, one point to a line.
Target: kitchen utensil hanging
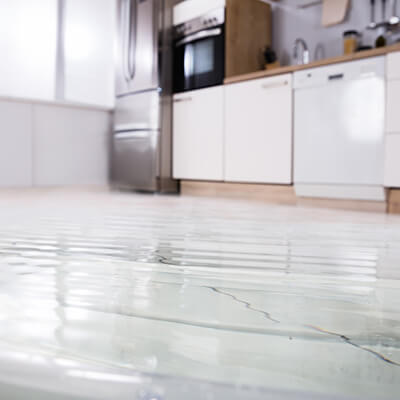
334 11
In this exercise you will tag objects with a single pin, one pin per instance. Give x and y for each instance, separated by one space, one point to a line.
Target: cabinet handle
336 77
274 85
182 99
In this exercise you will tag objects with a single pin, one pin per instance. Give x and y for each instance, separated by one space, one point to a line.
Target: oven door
199 60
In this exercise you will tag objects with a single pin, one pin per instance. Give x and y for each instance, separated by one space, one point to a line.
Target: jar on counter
350 42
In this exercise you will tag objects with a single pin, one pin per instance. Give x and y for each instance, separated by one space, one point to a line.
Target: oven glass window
199 58
204 57
199 63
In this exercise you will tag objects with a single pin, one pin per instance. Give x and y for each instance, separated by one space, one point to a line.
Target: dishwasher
339 130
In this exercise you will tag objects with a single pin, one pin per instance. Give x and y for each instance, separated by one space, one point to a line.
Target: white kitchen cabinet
393 66
392 160
393 93
15 144
392 139
198 130
258 131
393 107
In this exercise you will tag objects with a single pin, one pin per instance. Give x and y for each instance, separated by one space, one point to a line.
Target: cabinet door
393 107
15 145
198 118
392 160
393 65
258 131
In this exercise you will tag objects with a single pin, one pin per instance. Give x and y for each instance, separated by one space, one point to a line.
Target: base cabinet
235 133
392 160
392 106
198 120
392 138
258 131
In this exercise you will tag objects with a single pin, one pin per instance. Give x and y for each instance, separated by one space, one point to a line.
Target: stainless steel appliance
199 52
141 157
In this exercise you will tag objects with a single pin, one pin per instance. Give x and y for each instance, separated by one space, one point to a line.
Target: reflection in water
221 291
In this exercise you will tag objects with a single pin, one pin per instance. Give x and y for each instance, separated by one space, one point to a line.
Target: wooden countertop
327 61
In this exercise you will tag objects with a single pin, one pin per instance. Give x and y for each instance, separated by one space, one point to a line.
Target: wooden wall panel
248 32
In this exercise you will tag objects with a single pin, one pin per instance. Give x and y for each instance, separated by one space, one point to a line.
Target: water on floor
213 290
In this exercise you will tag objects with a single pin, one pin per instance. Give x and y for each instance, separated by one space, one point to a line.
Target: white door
258 131
198 120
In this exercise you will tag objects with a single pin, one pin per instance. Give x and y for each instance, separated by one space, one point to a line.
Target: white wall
15 144
89 39
45 144
39 48
290 23
70 146
45 139
28 34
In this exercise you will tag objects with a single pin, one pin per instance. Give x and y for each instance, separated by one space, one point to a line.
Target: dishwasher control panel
371 67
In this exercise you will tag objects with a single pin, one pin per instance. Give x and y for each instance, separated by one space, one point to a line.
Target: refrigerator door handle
132 32
156 44
140 134
125 22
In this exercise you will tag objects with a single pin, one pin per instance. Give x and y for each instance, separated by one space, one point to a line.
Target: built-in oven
199 52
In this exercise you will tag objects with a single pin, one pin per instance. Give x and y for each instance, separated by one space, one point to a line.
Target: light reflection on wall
28 46
361 128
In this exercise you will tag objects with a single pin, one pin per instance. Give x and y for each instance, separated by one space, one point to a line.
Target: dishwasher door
339 131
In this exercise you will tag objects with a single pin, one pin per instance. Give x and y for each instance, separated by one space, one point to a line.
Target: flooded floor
221 291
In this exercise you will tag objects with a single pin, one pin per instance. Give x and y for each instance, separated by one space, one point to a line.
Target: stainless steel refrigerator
142 143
